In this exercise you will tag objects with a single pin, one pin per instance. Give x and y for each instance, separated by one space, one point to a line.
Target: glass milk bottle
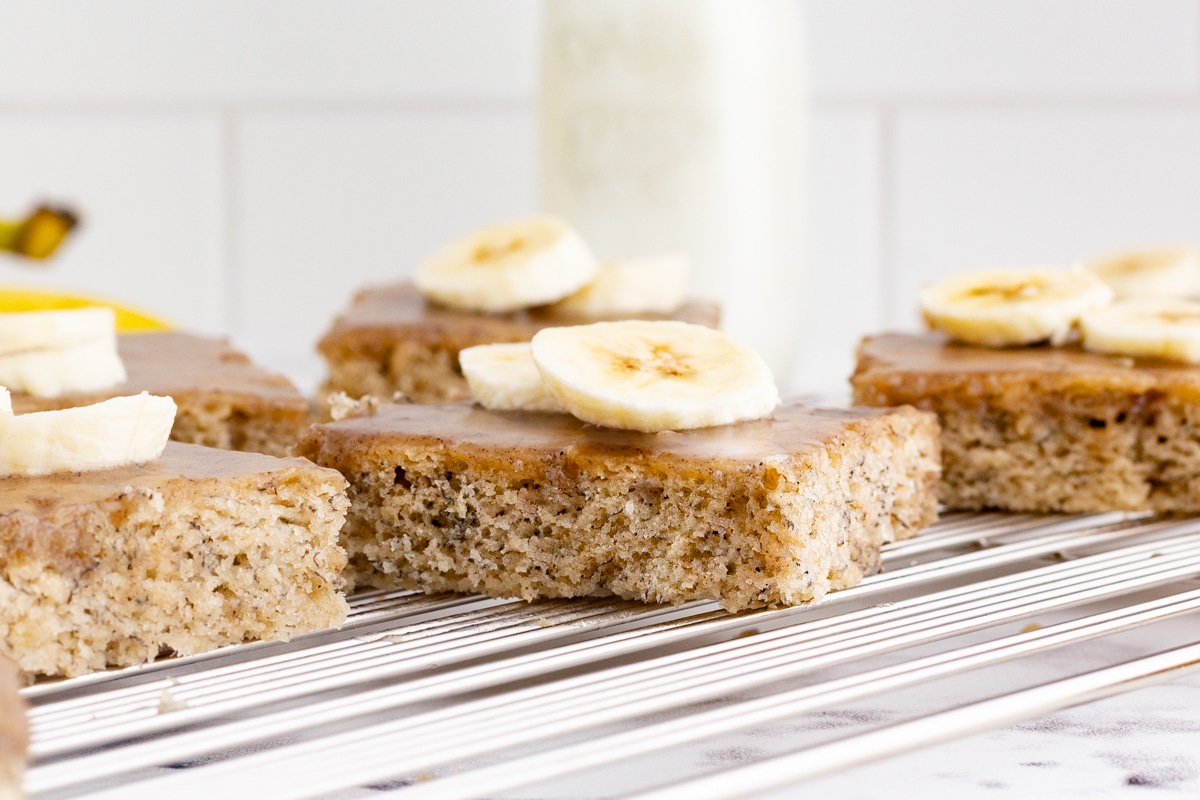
679 126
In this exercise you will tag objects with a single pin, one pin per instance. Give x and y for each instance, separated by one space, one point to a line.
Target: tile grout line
231 244
480 105
886 268
1017 103
270 105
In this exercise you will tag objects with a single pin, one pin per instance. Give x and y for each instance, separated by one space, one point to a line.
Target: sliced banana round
653 376
36 330
52 372
509 266
503 377
1161 327
1163 272
656 285
1006 307
119 431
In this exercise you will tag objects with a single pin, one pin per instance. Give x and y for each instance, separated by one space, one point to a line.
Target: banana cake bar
14 733
775 511
391 339
224 399
198 549
1046 429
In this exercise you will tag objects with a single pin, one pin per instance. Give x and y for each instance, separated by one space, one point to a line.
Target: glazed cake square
197 549
224 400
14 733
776 511
1046 429
391 339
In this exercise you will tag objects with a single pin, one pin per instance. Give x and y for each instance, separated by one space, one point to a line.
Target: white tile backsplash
266 50
149 190
245 164
329 203
843 298
1007 48
1042 187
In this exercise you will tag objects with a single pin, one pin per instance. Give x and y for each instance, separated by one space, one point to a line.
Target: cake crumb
167 701
343 406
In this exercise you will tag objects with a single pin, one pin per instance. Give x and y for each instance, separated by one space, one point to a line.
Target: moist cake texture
391 339
224 400
14 733
1046 429
198 549
777 511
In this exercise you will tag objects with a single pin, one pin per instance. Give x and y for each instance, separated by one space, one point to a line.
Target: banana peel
39 234
129 320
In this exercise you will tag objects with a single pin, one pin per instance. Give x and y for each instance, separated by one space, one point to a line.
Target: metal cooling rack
451 696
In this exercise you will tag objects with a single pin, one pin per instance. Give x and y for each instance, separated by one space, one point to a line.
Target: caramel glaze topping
791 432
179 363
400 306
930 359
14 725
43 494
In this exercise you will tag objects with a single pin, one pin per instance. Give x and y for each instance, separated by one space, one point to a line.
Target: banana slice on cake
50 353
503 377
655 284
35 330
509 266
1006 307
653 376
1147 326
1165 272
86 367
122 430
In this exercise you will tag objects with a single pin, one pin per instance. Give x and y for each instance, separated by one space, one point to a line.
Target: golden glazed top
42 495
400 307
793 431
175 364
902 365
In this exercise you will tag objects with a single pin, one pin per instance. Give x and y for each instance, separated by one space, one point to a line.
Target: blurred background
243 165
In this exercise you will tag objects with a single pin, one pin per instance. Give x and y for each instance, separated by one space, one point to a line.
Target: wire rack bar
936 728
414 684
651 738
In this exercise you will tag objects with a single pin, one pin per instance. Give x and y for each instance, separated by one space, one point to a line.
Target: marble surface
1135 744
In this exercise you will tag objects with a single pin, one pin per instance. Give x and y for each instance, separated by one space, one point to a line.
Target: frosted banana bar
224 399
1046 429
391 339
776 511
14 733
197 549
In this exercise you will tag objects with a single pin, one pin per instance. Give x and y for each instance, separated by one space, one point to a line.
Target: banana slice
1146 326
1165 272
998 308
503 377
86 367
631 286
653 376
509 266
35 330
123 430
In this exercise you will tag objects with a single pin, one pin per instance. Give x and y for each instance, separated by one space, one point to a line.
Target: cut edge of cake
438 516
160 563
1079 433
